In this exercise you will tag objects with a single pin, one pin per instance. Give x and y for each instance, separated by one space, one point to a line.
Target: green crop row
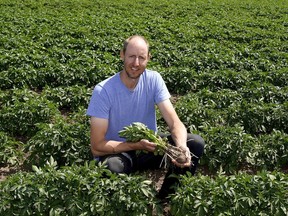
77 43
228 108
232 123
225 63
183 80
67 142
11 150
241 194
93 190
233 149
75 190
22 109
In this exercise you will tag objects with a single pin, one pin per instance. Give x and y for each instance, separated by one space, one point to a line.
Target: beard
131 76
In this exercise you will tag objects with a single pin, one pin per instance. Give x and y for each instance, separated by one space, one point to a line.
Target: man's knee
196 144
118 164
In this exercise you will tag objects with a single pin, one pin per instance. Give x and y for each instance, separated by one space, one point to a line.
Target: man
130 96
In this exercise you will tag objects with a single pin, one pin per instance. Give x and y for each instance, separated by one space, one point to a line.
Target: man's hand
146 145
188 158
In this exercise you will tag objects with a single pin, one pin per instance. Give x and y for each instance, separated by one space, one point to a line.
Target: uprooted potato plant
138 131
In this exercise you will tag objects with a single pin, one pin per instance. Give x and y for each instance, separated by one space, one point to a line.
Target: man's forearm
113 147
179 135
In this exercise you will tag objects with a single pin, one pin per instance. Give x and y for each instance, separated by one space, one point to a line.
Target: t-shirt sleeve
99 105
162 93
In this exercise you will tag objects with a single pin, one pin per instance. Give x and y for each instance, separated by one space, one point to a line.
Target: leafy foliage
76 190
11 151
22 109
67 142
231 145
242 194
138 131
271 150
69 98
224 61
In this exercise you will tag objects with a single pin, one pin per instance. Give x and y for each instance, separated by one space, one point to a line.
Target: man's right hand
146 145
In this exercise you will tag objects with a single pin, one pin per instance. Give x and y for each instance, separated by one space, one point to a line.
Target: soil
6 171
157 177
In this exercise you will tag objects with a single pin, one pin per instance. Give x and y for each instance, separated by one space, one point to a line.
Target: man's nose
136 61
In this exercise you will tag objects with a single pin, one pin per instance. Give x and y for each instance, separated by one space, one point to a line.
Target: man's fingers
149 146
182 165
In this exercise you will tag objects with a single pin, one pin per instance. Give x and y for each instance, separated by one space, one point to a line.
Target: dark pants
128 162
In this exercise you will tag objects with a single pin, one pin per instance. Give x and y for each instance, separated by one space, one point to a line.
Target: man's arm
176 127
100 146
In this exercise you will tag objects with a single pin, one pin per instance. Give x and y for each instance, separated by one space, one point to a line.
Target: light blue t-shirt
112 100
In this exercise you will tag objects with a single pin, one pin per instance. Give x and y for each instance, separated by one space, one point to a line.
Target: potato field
224 61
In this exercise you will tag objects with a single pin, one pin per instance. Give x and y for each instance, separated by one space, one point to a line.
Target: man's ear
122 55
149 56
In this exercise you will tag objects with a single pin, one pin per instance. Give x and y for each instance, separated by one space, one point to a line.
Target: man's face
135 58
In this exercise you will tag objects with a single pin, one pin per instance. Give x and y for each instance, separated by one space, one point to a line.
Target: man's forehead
137 42
137 50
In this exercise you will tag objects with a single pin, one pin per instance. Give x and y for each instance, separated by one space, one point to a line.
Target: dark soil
6 171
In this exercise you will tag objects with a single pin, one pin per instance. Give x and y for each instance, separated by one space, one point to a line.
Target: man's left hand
188 158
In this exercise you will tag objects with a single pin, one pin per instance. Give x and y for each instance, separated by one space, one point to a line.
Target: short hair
126 42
